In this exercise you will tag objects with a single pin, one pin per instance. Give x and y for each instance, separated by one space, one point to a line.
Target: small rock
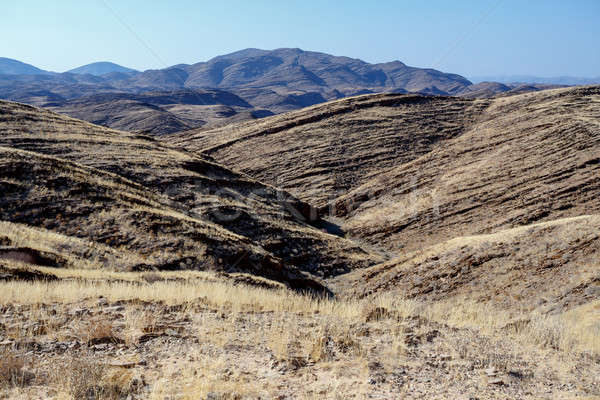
105 340
491 371
297 362
147 337
432 335
127 365
375 314
171 332
113 309
374 366
516 374
496 381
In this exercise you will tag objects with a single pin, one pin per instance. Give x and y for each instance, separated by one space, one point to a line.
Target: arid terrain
407 171
383 246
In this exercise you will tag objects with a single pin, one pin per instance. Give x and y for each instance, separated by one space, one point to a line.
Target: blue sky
486 37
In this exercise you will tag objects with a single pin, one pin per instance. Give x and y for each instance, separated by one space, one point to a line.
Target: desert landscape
288 224
443 247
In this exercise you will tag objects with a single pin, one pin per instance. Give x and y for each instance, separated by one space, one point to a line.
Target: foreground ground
98 335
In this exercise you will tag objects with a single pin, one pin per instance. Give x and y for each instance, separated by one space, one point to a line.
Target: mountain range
266 82
556 80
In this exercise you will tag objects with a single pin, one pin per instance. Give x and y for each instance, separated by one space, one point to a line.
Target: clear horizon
472 38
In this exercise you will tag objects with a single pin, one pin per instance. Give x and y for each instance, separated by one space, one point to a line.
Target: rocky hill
550 267
159 112
322 152
367 158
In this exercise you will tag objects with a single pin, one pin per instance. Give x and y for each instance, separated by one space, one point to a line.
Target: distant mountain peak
296 70
556 80
100 68
8 66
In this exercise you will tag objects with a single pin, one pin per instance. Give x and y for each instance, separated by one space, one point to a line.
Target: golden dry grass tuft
84 378
11 368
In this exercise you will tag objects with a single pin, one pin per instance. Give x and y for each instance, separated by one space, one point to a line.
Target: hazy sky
486 37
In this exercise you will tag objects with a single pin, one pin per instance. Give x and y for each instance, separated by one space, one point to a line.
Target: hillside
550 267
324 151
456 242
405 171
158 112
106 191
529 158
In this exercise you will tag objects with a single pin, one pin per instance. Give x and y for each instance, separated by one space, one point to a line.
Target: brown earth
123 342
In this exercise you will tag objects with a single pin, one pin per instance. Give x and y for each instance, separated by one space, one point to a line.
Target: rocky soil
137 350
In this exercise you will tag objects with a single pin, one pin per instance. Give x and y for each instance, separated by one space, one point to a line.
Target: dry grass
83 253
244 332
576 330
83 378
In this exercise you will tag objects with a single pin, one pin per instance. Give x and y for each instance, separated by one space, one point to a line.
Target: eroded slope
172 209
530 158
324 151
552 266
